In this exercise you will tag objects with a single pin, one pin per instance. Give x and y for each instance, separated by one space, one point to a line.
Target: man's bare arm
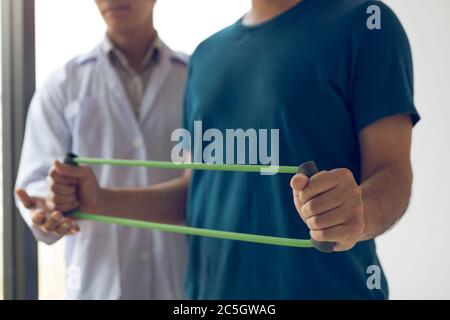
386 172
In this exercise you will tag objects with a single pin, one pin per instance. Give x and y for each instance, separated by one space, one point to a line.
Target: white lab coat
83 108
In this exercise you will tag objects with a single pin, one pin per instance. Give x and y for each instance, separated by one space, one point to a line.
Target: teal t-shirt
319 75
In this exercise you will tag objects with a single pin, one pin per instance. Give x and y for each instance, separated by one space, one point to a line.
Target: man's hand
48 221
331 205
74 187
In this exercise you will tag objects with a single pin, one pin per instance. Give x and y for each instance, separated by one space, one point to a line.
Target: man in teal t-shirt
318 74
335 78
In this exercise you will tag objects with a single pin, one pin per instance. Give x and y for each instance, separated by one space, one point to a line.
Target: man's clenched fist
331 205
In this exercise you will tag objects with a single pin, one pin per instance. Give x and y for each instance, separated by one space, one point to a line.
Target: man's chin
121 27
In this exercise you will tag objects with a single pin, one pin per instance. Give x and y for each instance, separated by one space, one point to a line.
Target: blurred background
414 254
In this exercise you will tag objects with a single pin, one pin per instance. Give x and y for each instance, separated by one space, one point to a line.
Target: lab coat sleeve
47 137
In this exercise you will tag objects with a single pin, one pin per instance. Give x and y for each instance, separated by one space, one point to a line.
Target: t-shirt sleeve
186 107
186 119
382 72
186 122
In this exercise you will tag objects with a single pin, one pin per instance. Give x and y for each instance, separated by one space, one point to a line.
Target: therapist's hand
74 187
48 221
331 205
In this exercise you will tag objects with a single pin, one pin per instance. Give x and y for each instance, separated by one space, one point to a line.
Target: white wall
416 253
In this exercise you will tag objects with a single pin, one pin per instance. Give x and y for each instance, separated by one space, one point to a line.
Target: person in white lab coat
121 100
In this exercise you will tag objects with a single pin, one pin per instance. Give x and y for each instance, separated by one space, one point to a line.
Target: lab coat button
137 142
145 255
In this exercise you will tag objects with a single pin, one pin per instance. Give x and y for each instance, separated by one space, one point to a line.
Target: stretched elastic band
72 159
277 241
180 166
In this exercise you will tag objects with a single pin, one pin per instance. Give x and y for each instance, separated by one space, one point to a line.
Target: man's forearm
163 202
386 195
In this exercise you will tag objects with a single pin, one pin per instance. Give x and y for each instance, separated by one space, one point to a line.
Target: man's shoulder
349 9
361 9
216 41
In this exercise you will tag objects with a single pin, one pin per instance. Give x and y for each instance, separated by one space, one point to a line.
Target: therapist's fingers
67 226
53 222
26 200
75 227
30 202
38 217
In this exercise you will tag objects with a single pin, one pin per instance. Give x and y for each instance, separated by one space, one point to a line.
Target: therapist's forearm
164 202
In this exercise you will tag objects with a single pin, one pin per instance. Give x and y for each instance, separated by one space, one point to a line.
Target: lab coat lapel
157 80
116 87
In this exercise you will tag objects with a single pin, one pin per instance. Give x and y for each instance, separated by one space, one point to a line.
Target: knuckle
354 193
49 202
355 209
35 220
344 173
302 196
61 207
50 181
310 208
320 235
313 206
53 187
52 173
356 230
49 224
313 223
53 197
306 210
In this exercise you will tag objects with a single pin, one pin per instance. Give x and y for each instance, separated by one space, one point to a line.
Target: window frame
18 86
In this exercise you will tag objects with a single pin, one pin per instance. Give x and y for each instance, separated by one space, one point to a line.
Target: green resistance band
286 242
308 168
181 166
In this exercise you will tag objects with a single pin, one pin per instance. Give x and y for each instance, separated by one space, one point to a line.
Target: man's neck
263 10
134 45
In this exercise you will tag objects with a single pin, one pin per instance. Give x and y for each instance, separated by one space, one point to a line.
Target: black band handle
69 159
309 169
